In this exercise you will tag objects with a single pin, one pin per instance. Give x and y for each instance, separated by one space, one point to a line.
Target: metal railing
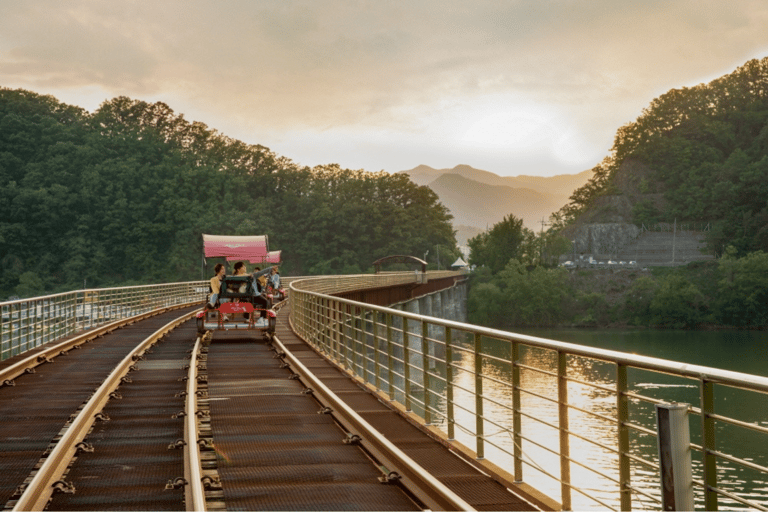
499 393
338 284
29 323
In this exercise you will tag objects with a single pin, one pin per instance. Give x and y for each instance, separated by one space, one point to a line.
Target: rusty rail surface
38 492
433 493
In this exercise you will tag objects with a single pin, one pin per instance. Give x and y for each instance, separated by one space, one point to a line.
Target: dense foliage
708 149
704 150
509 239
122 196
730 292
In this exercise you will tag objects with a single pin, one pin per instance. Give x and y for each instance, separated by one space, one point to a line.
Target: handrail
29 323
423 371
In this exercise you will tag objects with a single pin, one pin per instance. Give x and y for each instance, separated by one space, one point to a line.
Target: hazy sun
518 129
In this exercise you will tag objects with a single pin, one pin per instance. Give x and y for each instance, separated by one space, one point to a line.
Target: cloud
425 71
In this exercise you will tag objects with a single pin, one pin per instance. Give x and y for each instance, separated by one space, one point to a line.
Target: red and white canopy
271 257
252 248
235 247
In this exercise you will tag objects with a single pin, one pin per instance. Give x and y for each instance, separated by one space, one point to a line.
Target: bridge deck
275 452
35 410
479 490
272 449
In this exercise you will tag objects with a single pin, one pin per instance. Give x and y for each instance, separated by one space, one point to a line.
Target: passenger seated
239 271
275 278
214 287
259 280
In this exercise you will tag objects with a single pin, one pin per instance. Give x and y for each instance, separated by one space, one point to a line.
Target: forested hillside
122 196
696 154
704 155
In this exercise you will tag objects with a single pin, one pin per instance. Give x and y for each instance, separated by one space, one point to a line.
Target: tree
122 196
30 284
535 297
743 289
677 303
496 247
638 299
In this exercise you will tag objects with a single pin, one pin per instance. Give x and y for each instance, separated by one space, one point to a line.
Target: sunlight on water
593 443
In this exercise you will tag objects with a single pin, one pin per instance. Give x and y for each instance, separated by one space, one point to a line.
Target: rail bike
244 302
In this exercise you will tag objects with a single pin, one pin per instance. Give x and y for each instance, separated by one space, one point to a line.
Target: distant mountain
562 184
473 203
479 199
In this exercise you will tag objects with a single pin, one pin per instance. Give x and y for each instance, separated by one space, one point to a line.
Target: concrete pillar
437 304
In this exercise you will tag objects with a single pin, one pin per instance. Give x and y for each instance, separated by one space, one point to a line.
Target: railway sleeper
64 487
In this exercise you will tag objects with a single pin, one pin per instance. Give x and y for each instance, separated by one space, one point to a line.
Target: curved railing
476 385
29 323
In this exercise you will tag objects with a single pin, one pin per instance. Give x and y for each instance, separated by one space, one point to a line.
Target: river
741 351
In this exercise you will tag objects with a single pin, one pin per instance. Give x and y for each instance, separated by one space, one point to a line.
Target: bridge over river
363 399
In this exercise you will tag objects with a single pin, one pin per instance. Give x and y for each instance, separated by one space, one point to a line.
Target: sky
535 87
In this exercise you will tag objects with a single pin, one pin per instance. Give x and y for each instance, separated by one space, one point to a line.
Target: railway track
70 393
178 423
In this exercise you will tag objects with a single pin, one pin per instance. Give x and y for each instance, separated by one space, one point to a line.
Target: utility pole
674 235
541 241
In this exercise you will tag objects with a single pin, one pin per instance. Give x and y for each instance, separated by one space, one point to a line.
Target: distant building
459 263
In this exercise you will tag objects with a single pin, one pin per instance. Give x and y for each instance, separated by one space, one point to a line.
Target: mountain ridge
479 199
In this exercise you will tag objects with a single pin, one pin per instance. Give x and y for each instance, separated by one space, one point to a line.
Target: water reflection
593 443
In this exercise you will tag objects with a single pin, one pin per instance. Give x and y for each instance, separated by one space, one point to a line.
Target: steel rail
194 493
9 373
39 491
419 481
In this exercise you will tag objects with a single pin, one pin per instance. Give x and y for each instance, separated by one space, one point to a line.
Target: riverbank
710 295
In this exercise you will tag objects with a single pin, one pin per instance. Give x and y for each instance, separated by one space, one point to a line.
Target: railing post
345 336
449 384
2 324
28 327
363 347
479 426
622 418
425 370
314 320
335 350
390 366
407 365
376 355
327 325
708 444
355 324
674 443
565 451
517 424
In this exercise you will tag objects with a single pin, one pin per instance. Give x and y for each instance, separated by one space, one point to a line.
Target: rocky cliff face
603 240
607 227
